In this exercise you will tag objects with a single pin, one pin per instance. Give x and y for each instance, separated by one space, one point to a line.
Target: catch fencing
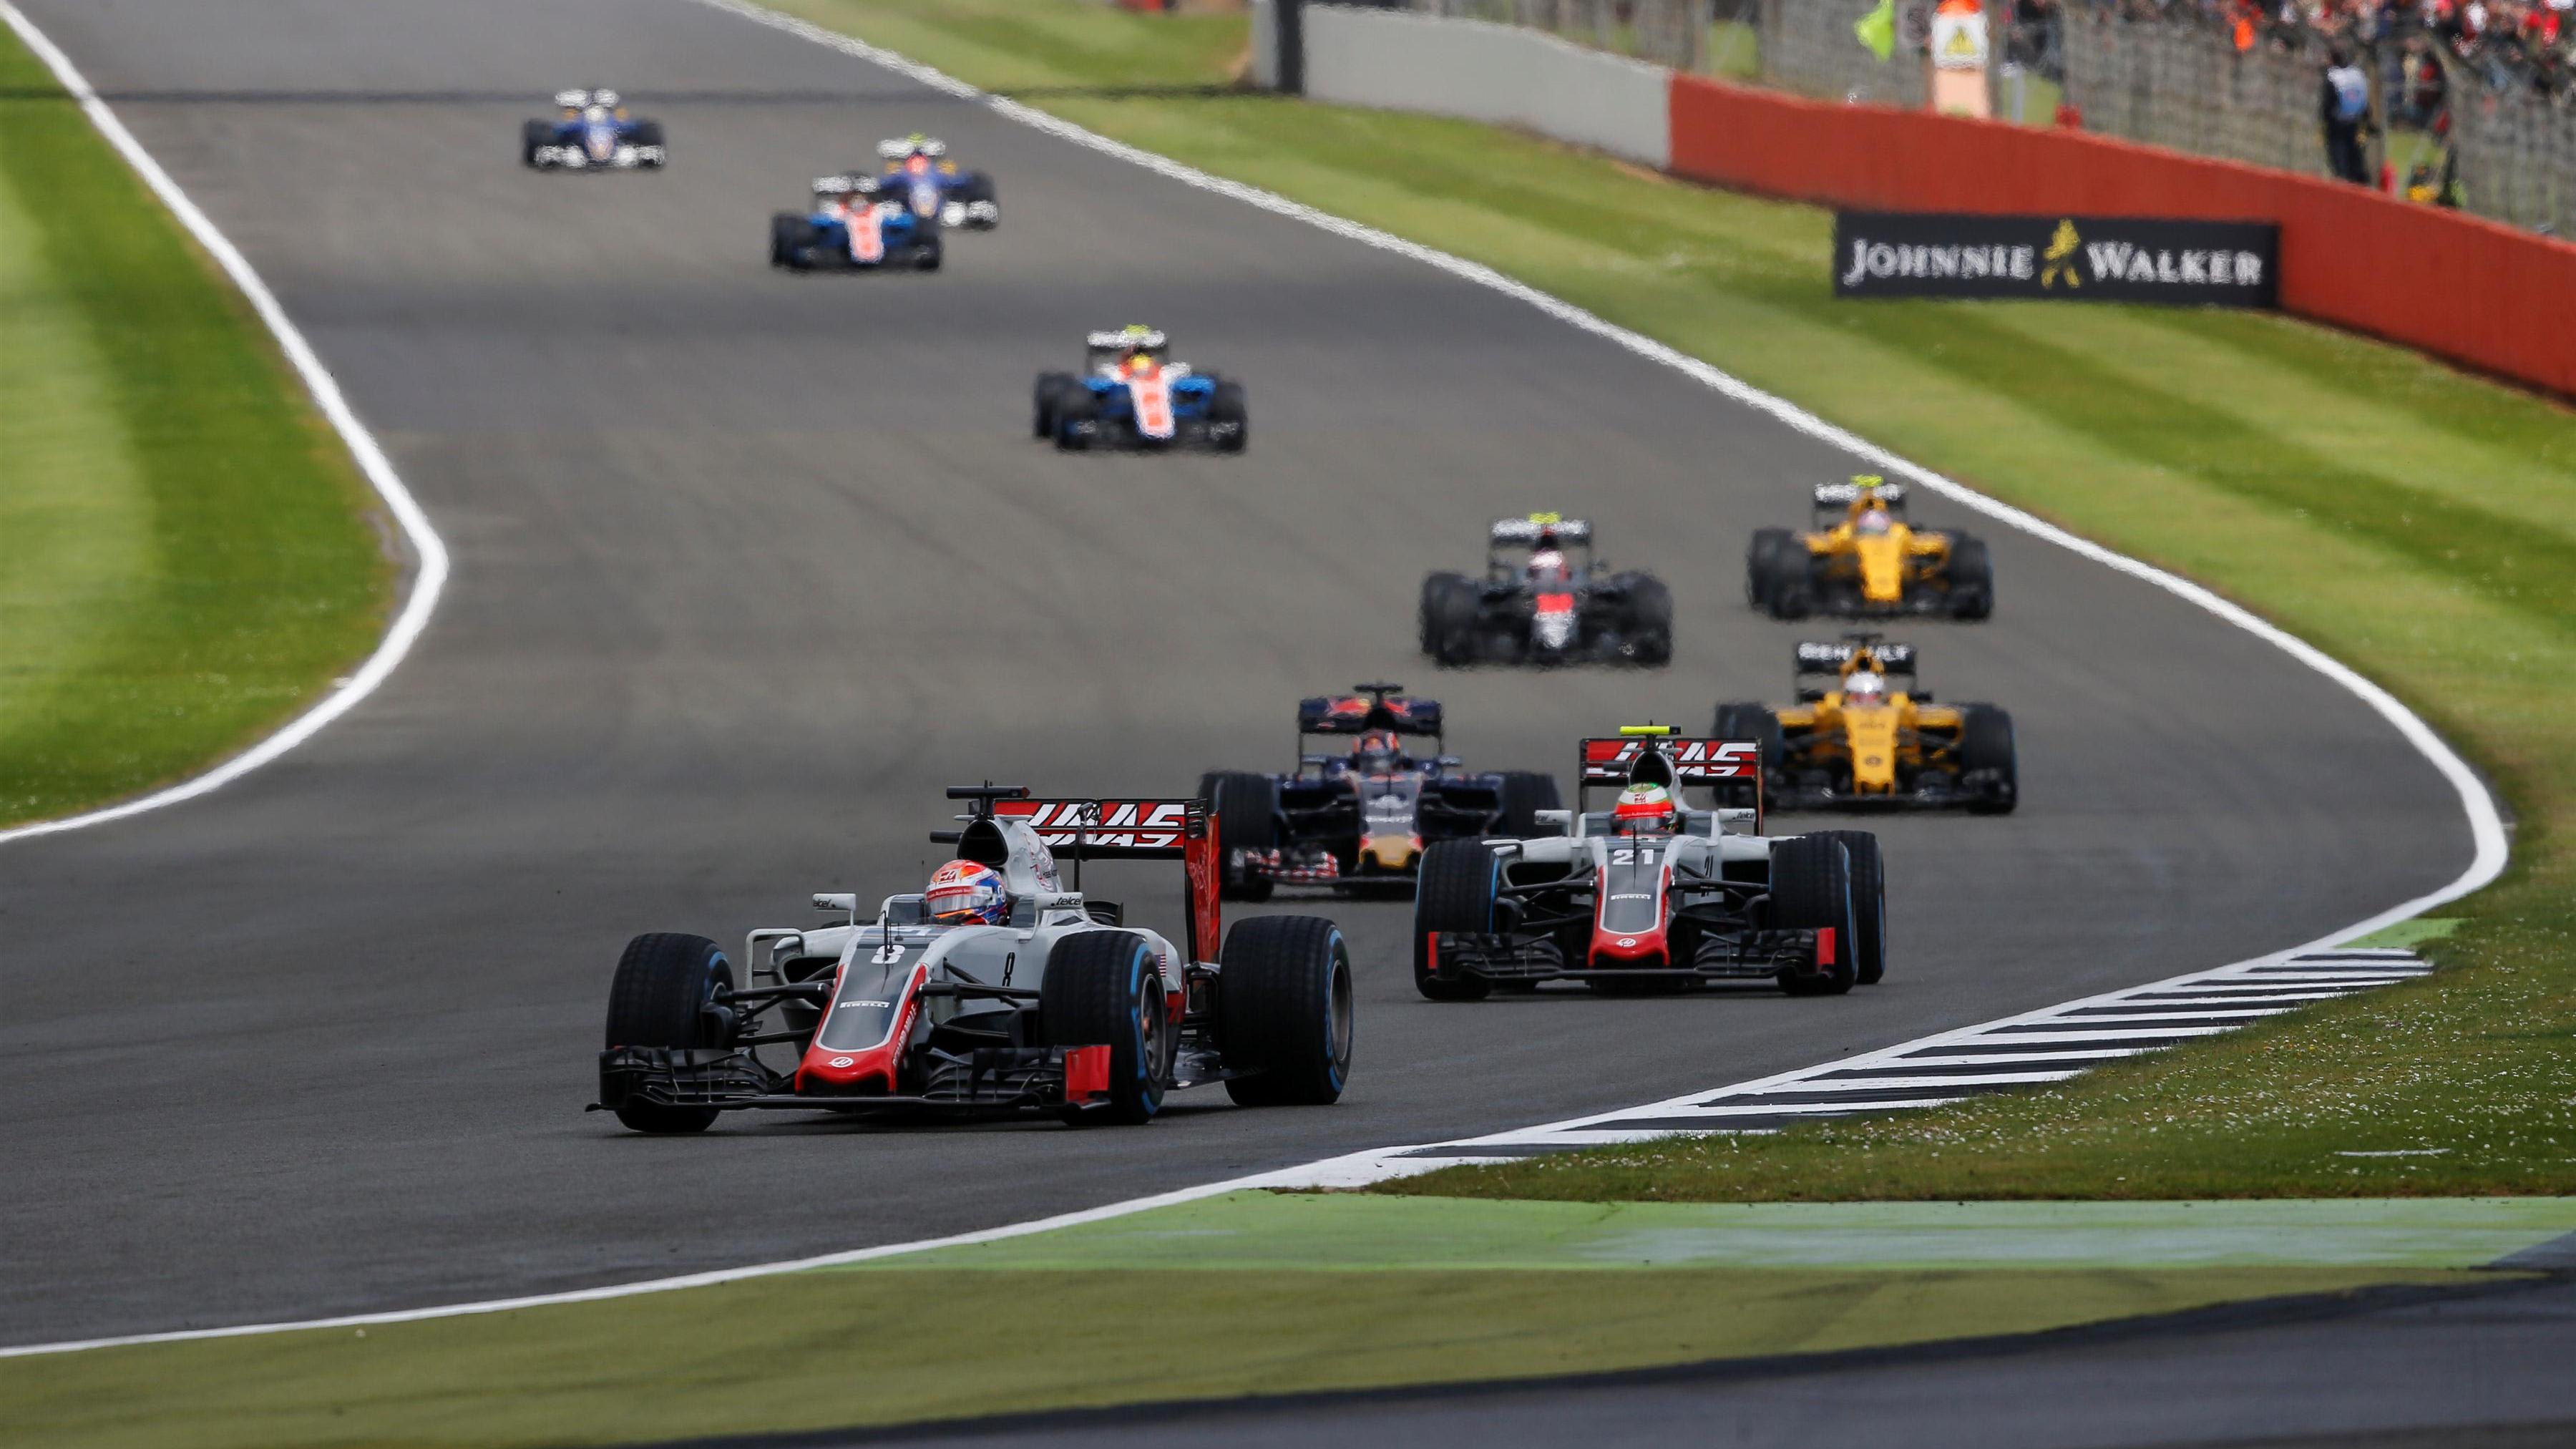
2497 145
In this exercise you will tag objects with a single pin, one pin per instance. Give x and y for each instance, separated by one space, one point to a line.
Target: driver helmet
1376 750
1546 563
1137 360
595 112
1644 806
963 893
1865 687
1873 520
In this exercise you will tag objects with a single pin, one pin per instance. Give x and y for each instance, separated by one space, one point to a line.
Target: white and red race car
1630 908
1060 1007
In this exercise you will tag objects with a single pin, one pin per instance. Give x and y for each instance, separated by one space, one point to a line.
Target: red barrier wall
2496 299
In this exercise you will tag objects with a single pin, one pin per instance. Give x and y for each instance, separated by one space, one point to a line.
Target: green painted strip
1345 1232
2410 933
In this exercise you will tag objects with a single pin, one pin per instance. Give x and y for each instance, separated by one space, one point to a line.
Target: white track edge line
2486 825
429 550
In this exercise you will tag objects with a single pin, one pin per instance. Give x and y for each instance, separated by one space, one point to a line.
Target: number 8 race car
1059 1007
1630 903
590 131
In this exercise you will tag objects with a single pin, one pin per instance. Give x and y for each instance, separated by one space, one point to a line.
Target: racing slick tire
1811 890
1762 563
929 253
1790 593
1452 625
1227 404
1650 621
790 236
1525 793
1970 575
1986 749
1455 892
647 133
1753 722
1103 988
1435 587
1050 386
1245 817
1869 904
978 187
1284 1011
664 996
533 134
1077 405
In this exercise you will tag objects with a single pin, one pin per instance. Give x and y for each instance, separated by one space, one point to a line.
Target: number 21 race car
996 991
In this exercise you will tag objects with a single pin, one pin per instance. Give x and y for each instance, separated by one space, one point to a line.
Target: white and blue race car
591 131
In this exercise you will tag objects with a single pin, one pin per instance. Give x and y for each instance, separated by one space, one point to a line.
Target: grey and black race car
590 131
1545 599
1363 813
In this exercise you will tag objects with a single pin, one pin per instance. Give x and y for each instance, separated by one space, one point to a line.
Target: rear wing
1835 497
1374 707
1694 762
1817 658
1152 340
846 185
1133 830
1527 530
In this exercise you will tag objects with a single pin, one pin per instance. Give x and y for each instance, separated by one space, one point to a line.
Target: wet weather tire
1455 893
1284 1011
664 996
1103 988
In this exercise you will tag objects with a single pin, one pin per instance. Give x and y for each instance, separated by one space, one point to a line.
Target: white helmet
1865 686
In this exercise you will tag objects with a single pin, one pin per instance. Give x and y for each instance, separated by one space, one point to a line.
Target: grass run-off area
1269 1293
185 558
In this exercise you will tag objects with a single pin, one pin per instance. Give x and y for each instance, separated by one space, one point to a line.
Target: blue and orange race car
1130 396
854 225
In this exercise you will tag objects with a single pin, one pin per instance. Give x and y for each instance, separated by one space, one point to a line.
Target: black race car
1545 599
1362 814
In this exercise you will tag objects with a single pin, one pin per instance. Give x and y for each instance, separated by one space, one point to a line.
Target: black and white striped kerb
2022 1051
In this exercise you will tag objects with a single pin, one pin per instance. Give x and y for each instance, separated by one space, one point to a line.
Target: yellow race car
1861 557
1874 739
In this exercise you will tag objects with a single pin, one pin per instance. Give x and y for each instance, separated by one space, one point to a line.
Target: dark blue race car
1129 396
856 224
918 166
590 131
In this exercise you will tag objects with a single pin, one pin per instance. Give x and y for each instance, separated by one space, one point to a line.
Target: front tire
1456 892
1650 621
532 135
1971 578
1102 989
1762 564
1986 747
1051 386
1229 405
664 996
1245 808
789 237
1284 1011
1811 890
1869 904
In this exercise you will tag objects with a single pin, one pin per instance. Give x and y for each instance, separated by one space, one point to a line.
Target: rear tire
664 997
1986 744
1102 988
1811 890
1245 817
1049 385
1869 905
1971 577
1229 405
1525 793
1753 722
1284 1011
1650 621
1455 893
1762 563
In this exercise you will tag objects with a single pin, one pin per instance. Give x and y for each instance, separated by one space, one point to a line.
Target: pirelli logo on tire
2063 258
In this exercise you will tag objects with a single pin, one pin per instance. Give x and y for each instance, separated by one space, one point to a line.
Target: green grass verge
184 554
890 1345
2415 522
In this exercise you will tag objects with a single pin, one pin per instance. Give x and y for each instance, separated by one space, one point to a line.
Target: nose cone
1882 569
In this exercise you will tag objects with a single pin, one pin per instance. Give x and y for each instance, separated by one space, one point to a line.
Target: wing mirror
1449 762
837 901
1563 820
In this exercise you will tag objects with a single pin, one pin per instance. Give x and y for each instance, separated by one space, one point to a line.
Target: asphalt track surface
748 566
